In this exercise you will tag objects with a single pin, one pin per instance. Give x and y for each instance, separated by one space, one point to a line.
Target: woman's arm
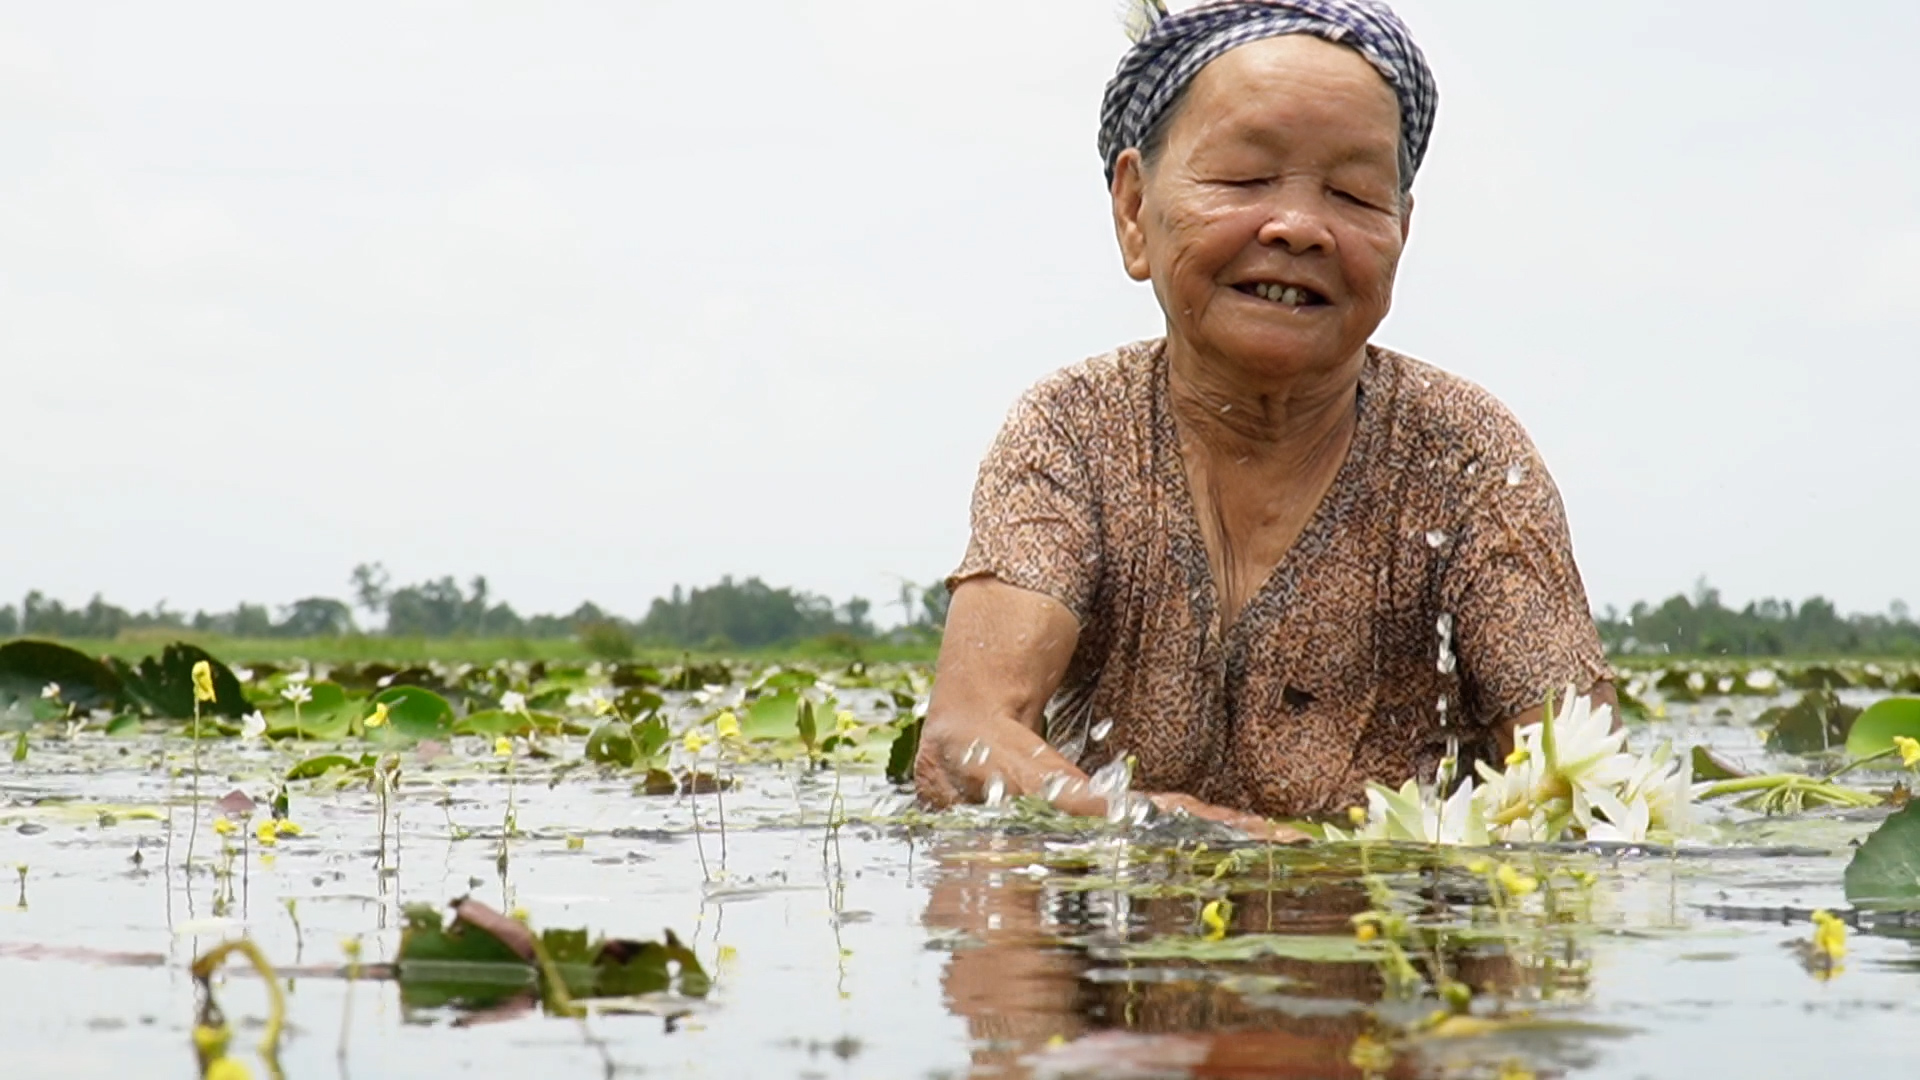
1005 652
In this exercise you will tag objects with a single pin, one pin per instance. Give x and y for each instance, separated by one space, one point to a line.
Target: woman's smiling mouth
1289 295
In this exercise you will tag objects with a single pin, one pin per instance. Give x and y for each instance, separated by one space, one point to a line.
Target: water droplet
1054 785
1437 538
1443 711
1142 809
1444 626
1101 730
1110 779
996 791
1473 467
1448 663
1516 472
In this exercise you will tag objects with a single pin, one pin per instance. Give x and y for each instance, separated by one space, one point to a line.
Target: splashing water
976 754
1053 786
996 793
1447 662
1101 730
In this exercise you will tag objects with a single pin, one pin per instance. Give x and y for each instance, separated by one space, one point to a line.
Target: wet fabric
1432 595
1155 72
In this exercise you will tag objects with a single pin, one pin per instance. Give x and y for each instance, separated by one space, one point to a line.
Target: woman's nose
1295 222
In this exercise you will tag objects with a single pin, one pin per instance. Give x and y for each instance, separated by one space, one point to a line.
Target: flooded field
841 933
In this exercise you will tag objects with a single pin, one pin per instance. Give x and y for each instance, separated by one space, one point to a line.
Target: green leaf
1817 722
416 713
1707 768
321 764
809 729
1873 731
906 746
612 743
650 736
20 747
1319 948
1885 871
26 667
495 723
163 685
775 716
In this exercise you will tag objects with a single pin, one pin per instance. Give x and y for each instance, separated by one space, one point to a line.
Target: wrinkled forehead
1286 86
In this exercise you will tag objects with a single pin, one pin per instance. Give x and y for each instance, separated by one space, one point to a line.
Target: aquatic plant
1570 777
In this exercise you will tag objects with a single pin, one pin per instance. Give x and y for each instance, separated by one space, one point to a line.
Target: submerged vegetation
318 817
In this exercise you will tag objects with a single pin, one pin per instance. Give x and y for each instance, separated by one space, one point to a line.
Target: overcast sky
594 298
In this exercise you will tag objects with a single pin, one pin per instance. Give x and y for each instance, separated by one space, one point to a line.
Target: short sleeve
1522 625
1035 512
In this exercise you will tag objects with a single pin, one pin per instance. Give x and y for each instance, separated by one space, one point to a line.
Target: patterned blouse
1432 595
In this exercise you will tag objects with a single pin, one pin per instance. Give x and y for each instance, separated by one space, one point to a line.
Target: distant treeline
729 614
1701 625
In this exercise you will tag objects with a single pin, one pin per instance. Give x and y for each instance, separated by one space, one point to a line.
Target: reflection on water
1042 973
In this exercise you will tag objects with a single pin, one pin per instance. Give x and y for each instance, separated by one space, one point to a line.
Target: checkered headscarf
1174 48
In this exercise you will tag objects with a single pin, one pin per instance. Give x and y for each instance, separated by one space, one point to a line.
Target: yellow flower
266 833
1829 936
1366 931
728 725
1909 750
575 843
844 723
1519 756
379 717
1357 815
223 826
503 747
1369 1056
211 1042
226 1068
1216 916
696 740
284 827
350 947
202 681
1515 882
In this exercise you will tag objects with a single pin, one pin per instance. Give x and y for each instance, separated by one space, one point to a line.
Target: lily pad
26 667
1885 871
612 743
1873 730
163 685
1818 721
1319 948
415 712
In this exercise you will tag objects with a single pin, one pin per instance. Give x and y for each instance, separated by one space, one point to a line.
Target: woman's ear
1129 197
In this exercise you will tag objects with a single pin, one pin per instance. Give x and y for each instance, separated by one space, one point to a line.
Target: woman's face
1271 221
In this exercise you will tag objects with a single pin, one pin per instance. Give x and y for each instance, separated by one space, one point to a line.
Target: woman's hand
1252 824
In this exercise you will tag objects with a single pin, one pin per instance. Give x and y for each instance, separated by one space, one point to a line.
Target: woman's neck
1290 422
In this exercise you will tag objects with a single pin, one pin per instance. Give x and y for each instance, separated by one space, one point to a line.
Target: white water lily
253 725
50 692
299 693
1418 815
513 701
1569 777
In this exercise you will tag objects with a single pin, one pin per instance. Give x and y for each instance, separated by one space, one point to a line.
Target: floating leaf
1885 871
1708 768
415 712
1319 948
26 667
1817 722
1873 730
612 743
322 764
774 716
163 685
906 747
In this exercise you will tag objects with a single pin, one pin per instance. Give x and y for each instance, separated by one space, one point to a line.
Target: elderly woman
1263 558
